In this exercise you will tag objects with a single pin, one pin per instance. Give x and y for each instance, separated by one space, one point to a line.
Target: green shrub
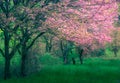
98 52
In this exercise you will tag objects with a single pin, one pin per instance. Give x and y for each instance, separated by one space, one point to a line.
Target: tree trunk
81 59
115 53
7 56
23 60
81 55
23 64
73 60
65 57
48 47
115 50
7 69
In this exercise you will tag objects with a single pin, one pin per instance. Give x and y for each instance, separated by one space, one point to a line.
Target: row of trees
82 23
21 24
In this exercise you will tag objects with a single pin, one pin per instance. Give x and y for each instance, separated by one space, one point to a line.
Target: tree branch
19 51
14 50
35 40
61 46
1 51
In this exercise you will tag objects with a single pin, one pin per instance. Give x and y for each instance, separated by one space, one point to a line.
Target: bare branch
35 40
14 50
1 51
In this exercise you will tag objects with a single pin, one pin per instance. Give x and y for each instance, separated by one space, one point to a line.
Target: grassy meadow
94 70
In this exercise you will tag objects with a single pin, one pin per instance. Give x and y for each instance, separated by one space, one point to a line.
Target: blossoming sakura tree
85 22
88 23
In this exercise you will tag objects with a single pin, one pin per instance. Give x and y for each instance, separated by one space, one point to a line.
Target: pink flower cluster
85 22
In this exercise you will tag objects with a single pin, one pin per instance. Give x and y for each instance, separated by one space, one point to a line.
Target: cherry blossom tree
21 23
85 22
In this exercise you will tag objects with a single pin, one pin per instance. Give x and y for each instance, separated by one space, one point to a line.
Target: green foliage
98 52
109 52
48 59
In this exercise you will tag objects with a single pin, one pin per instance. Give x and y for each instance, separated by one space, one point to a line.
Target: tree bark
23 64
65 59
48 47
24 50
81 59
23 59
80 51
7 57
115 53
73 60
7 69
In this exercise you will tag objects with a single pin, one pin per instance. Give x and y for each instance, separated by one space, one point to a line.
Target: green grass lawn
94 70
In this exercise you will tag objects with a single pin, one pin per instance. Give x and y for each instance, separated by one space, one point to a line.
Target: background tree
48 38
84 23
115 44
33 15
66 48
8 27
21 23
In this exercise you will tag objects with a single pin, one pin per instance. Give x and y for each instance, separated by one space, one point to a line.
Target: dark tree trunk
48 47
24 50
63 52
73 60
65 56
81 59
7 69
23 60
23 64
7 57
115 53
65 60
81 55
115 50
48 43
